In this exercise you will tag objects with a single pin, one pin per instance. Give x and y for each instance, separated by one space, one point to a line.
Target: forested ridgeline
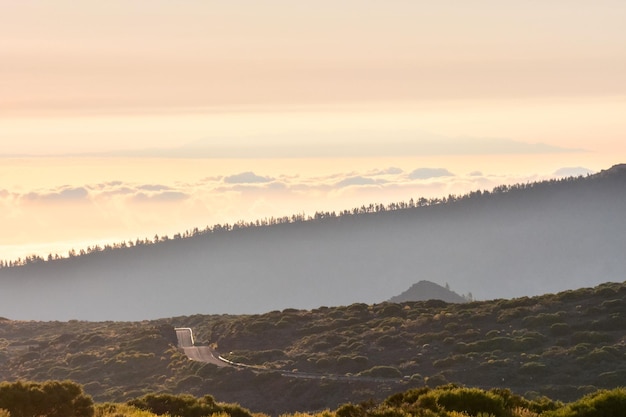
541 187
510 242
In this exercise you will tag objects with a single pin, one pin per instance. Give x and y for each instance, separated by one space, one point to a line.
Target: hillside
561 345
510 242
426 290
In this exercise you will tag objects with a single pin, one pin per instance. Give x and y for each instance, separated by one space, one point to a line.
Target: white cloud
357 180
426 173
246 178
387 171
165 196
60 195
154 187
572 172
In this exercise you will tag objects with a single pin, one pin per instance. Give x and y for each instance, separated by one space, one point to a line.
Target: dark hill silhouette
426 290
527 239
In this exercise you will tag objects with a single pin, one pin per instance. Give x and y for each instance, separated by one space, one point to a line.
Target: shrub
533 368
118 410
605 291
185 405
391 341
604 354
392 310
346 363
590 337
351 410
382 372
435 380
358 308
559 329
610 324
613 305
322 363
51 399
599 404
450 361
543 319
472 401
507 315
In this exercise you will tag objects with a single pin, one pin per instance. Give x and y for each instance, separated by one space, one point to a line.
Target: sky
124 119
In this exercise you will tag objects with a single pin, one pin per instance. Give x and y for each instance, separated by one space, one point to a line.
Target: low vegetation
66 399
562 346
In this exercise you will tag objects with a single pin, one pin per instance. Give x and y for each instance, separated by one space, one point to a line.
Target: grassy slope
561 345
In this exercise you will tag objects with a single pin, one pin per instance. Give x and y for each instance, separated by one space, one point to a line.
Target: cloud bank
119 210
421 181
426 173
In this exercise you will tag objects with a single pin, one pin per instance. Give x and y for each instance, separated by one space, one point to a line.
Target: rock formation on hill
426 290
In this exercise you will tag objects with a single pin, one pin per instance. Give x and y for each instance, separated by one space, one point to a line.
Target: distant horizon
427 145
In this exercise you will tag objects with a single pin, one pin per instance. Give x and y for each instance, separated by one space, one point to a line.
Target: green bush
392 310
599 404
590 337
185 405
351 410
435 380
119 410
450 361
533 368
560 329
472 401
543 319
50 399
613 305
514 313
382 372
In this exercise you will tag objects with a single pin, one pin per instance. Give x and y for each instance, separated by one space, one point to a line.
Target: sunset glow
123 120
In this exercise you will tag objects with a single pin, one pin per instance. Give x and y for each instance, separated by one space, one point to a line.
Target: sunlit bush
599 404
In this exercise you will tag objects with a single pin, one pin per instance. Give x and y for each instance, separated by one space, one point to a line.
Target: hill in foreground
512 241
561 345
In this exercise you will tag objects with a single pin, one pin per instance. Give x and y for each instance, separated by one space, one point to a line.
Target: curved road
208 355
196 353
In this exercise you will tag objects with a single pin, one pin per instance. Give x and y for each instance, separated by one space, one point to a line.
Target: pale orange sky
104 75
64 57
345 80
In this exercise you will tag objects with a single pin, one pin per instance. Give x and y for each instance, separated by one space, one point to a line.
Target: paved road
208 355
197 353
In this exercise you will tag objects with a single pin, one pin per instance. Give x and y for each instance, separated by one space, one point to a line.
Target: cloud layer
422 181
119 210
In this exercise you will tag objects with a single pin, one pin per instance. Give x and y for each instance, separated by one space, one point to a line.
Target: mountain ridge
512 241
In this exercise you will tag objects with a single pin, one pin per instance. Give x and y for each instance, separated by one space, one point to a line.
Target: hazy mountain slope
531 240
